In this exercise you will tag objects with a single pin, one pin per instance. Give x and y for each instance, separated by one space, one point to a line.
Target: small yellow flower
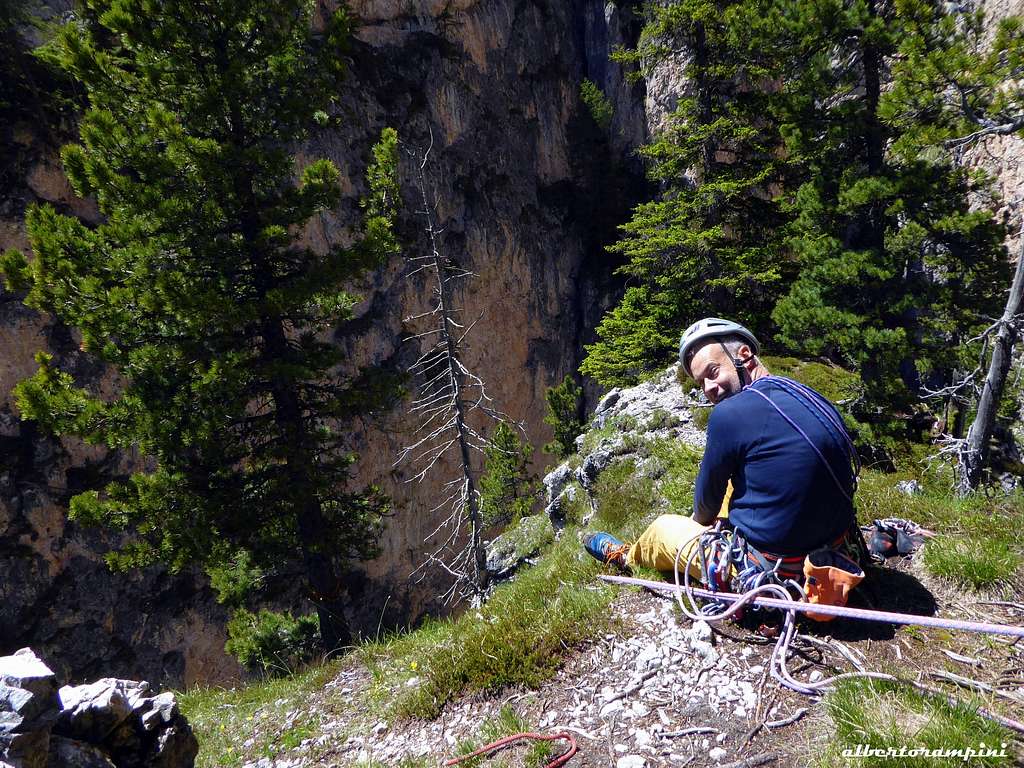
413 666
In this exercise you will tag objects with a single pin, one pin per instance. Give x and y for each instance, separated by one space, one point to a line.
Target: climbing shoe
895 536
606 548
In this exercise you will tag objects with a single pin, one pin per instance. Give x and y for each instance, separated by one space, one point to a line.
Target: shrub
563 415
597 104
506 490
272 643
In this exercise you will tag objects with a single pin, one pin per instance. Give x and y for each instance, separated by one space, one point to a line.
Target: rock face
107 724
529 190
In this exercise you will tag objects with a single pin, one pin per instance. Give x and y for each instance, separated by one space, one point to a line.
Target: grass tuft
507 722
975 563
883 715
519 637
224 718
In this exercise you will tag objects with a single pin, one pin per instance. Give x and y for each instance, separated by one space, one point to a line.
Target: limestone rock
555 480
28 691
92 712
69 753
517 545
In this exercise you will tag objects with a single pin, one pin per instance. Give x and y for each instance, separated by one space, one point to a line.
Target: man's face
714 372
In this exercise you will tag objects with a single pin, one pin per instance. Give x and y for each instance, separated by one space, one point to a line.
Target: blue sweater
784 499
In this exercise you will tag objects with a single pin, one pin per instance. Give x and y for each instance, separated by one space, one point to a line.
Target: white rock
739 712
639 709
717 753
630 761
642 738
721 737
611 707
815 676
757 669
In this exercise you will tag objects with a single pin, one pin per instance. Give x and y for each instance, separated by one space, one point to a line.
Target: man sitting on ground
780 445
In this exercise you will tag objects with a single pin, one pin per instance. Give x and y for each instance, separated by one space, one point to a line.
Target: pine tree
954 89
709 244
506 493
896 268
198 291
564 402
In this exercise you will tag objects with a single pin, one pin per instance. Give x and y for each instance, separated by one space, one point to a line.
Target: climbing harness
559 761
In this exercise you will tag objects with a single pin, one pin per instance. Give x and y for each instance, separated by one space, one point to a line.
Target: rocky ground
659 691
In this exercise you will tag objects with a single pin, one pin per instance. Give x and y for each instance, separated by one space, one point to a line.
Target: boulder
517 545
92 712
556 480
28 692
69 753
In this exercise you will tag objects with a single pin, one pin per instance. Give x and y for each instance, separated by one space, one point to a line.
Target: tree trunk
321 576
975 455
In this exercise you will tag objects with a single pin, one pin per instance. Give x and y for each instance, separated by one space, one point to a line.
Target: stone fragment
717 753
630 761
24 750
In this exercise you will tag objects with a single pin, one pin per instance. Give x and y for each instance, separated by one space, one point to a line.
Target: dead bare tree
448 393
970 453
1006 331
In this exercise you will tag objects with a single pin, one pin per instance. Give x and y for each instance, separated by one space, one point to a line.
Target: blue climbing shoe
606 548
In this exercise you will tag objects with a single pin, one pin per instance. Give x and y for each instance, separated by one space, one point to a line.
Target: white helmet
710 328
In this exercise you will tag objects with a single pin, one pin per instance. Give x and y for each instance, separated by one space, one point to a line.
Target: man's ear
744 354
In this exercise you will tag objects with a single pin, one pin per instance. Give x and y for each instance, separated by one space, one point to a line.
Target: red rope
495 745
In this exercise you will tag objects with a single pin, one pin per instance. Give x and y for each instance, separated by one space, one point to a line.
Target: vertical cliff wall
528 190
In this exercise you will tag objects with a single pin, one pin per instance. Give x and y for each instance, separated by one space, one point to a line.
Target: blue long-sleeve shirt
784 499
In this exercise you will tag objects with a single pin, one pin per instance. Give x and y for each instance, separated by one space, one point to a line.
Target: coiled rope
776 595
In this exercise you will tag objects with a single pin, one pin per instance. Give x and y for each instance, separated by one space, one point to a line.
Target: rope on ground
504 742
784 601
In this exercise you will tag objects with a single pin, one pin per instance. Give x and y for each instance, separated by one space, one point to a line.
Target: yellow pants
657 546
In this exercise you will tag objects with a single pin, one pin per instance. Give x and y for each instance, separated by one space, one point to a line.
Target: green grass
977 544
224 718
833 382
975 563
883 715
505 724
519 637
681 462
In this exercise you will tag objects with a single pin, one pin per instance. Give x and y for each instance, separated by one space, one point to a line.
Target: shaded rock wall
528 189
